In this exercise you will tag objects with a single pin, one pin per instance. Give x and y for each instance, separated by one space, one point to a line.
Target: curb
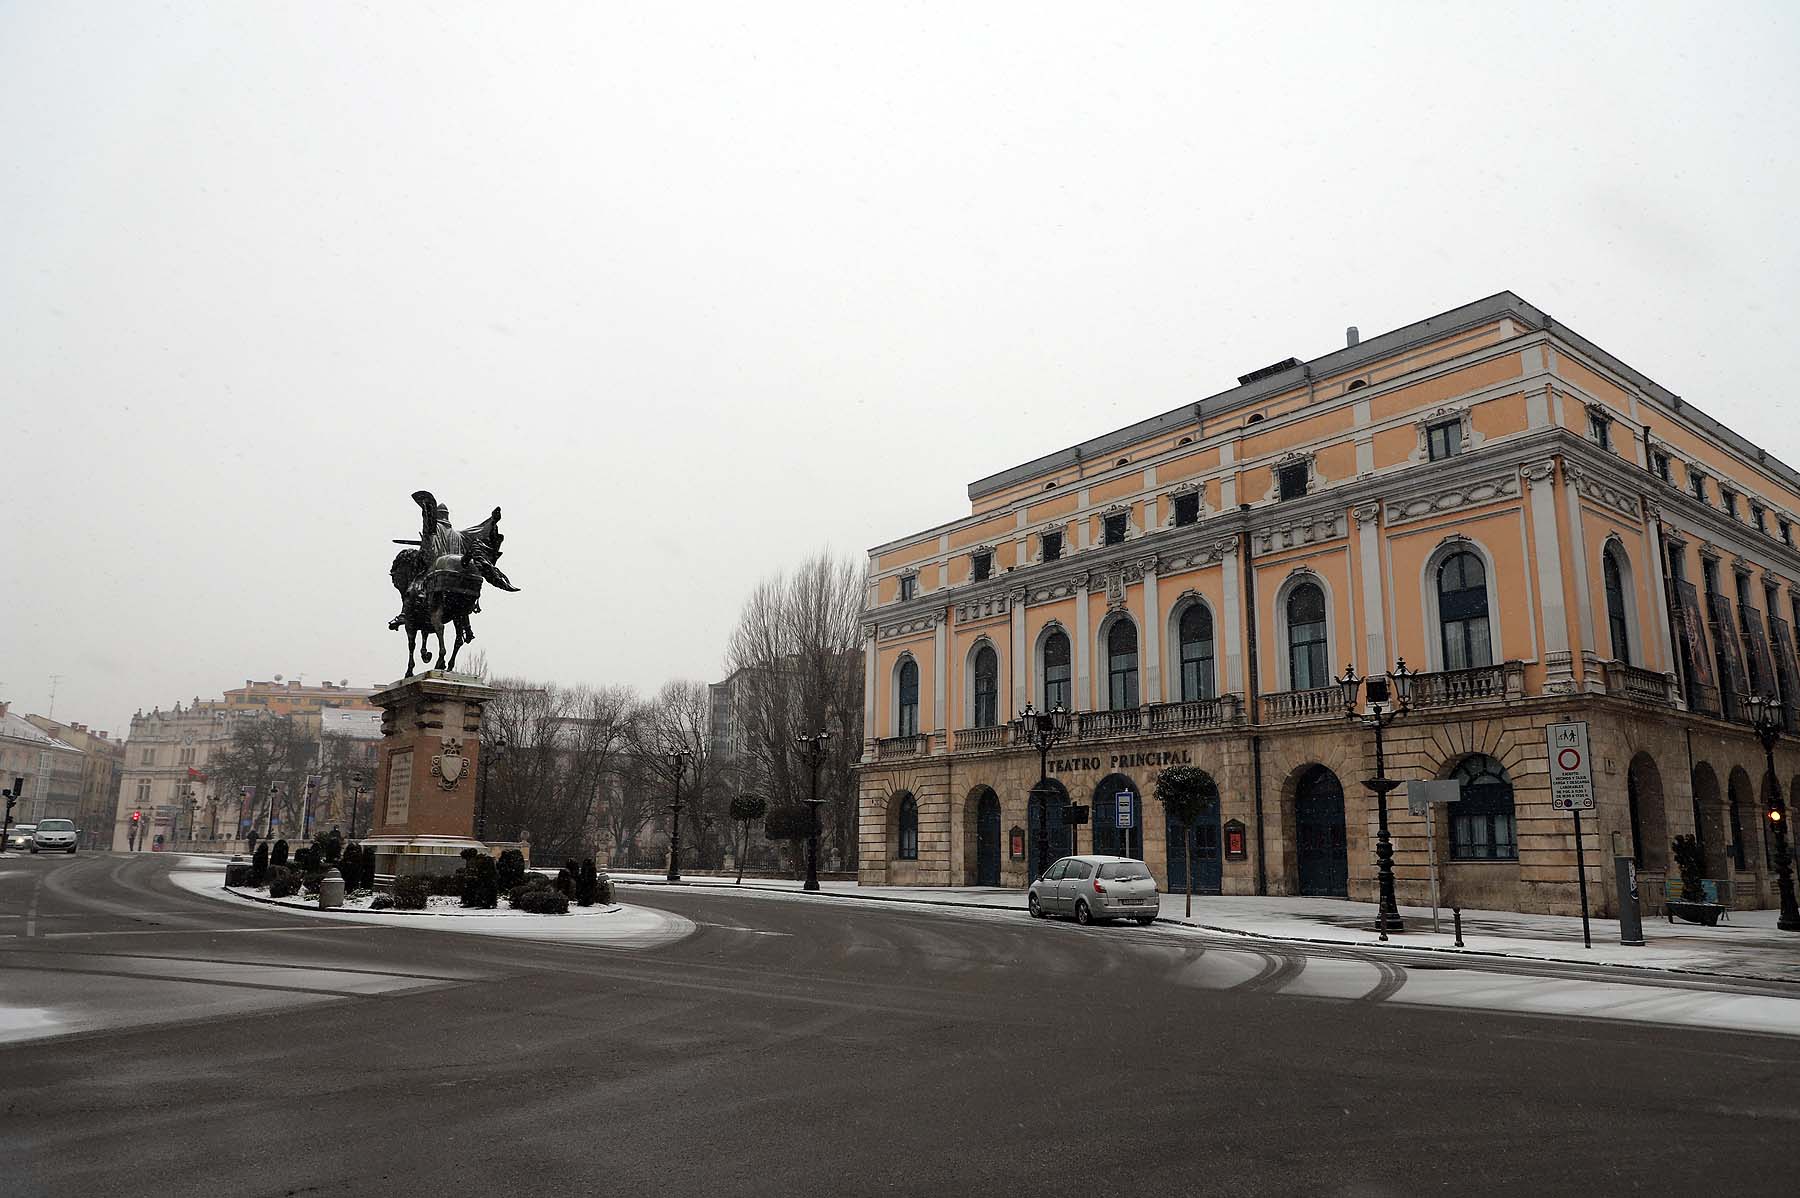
277 903
1239 933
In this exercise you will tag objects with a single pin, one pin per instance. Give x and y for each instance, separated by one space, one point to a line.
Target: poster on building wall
1762 665
1687 605
1784 657
1731 652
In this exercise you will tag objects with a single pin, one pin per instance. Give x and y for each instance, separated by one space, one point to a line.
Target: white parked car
54 835
19 836
1091 888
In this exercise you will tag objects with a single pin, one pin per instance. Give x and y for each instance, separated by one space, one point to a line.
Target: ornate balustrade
1097 725
1483 684
1196 714
1639 685
1289 707
975 740
888 748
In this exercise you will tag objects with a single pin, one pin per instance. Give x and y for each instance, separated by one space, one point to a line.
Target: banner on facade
1692 626
1762 665
1731 652
1784 657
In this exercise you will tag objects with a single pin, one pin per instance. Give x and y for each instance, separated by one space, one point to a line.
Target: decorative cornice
1198 555
1304 530
1600 490
982 607
1451 495
924 622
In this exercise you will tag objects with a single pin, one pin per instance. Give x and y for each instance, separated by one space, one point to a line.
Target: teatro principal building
1540 531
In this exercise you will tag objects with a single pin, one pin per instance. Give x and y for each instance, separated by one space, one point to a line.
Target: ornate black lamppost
497 746
1389 699
814 748
356 790
269 819
1765 715
678 764
1043 729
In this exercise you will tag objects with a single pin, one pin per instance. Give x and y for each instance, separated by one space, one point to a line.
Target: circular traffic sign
1569 759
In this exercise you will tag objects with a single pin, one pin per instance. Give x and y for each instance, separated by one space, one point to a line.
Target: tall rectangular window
1787 532
1291 480
1729 498
1600 429
1697 484
1052 545
909 586
1444 440
1758 517
1187 508
149 757
1660 463
1113 529
981 566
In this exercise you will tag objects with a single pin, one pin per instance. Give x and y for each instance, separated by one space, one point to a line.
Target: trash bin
331 889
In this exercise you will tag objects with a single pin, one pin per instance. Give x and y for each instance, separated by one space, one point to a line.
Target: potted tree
1692 906
1185 793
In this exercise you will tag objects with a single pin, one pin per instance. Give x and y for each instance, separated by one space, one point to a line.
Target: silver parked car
56 835
1091 888
19 836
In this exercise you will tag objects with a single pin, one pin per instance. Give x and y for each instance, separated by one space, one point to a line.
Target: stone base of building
1658 772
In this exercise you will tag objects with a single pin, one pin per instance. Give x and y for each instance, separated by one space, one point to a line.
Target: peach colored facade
1484 494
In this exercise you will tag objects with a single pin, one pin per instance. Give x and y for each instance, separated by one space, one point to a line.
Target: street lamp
498 747
356 790
814 748
269 821
1766 716
1043 729
678 763
1389 699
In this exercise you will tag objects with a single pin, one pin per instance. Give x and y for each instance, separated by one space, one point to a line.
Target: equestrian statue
440 581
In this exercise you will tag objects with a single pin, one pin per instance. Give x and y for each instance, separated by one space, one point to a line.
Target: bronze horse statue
440 580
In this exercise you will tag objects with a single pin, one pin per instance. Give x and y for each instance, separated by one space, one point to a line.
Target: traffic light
136 816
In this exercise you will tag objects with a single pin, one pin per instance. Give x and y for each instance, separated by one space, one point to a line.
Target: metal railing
1319 703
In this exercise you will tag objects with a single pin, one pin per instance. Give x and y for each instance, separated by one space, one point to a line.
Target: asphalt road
810 1047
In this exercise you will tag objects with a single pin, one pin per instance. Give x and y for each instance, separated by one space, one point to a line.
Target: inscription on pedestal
399 797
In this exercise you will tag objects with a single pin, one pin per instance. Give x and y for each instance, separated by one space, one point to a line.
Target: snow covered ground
615 926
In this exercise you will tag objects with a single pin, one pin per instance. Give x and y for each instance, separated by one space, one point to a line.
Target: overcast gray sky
692 290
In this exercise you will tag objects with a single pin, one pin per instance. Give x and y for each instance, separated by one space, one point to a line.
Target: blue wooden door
1209 874
987 841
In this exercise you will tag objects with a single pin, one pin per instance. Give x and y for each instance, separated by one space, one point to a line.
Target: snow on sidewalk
1748 945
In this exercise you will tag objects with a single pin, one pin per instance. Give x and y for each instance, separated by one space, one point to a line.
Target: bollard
237 872
1456 915
331 889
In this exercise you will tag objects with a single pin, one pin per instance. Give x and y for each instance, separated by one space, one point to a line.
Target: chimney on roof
1351 337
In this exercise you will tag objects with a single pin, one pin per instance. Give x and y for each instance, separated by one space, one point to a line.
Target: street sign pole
1431 840
1572 790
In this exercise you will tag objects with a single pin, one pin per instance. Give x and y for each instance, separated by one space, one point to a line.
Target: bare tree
796 667
676 720
550 748
267 751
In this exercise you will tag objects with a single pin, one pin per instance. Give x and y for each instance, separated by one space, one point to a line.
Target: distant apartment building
52 770
102 767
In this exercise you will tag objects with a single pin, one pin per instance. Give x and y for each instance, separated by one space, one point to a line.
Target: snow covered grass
437 904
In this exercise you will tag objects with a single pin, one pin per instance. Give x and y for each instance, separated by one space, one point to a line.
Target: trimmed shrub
330 845
280 855
531 882
542 901
479 889
410 892
565 882
259 865
306 859
382 902
604 893
511 870
283 882
587 884
450 884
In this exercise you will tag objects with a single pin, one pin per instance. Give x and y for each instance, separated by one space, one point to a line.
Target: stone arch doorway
1109 839
1740 807
1208 869
1709 821
1649 820
1321 844
983 815
1045 834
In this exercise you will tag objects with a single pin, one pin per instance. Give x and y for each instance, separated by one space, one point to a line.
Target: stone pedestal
428 772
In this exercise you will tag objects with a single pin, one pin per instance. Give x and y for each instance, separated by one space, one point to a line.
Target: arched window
1306 638
987 687
1481 822
1463 612
907 723
1196 639
1121 666
1059 690
1615 604
907 842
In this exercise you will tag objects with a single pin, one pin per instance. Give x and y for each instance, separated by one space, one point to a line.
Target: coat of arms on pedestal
449 765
